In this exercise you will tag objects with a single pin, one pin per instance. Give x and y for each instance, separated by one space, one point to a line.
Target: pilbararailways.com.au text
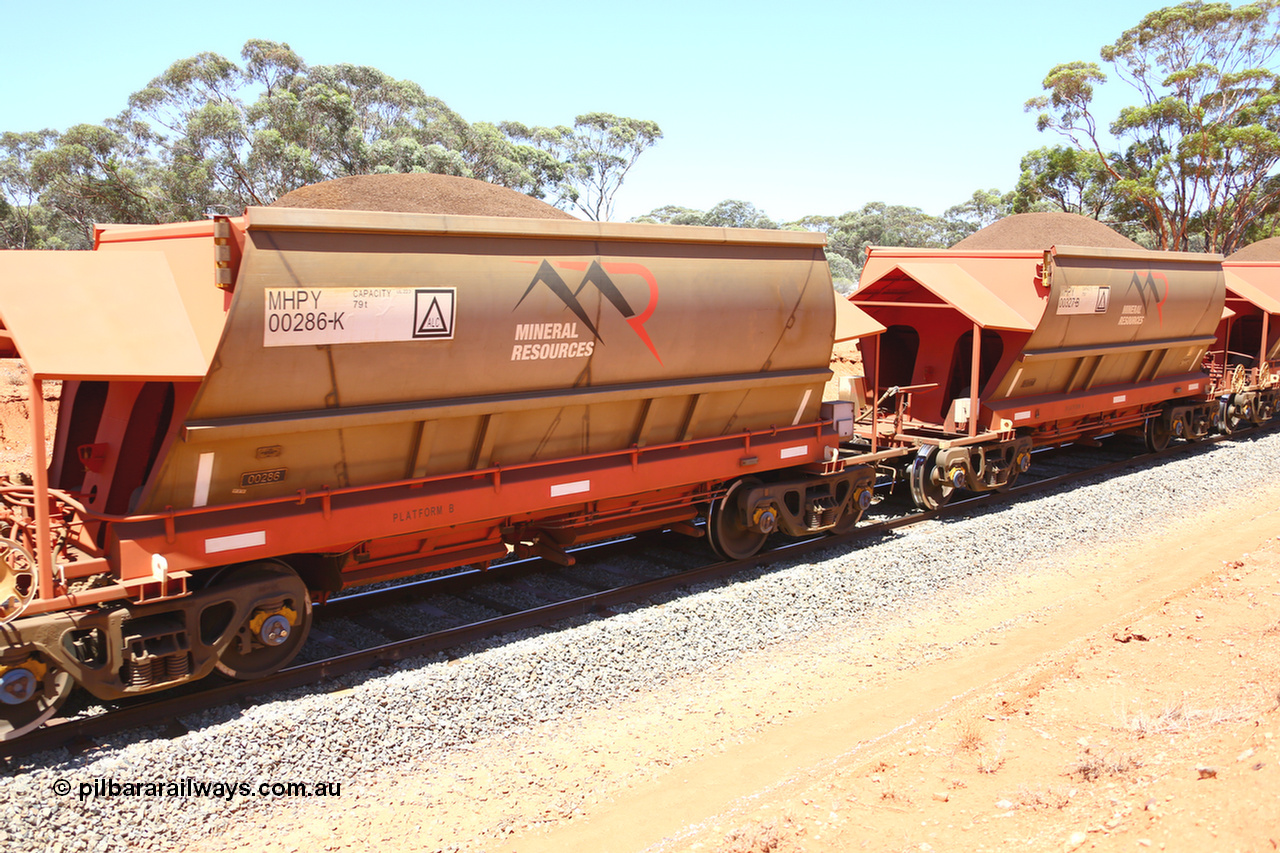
104 788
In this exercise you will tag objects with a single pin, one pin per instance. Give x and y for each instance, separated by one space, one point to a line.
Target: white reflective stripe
235 542
204 473
799 450
1119 398
1194 386
803 402
1022 416
574 488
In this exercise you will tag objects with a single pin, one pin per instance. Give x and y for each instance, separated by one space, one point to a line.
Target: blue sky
800 108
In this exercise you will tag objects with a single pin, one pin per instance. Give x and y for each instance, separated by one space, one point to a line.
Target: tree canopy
879 224
1191 164
596 153
1064 179
730 213
1199 148
849 234
210 135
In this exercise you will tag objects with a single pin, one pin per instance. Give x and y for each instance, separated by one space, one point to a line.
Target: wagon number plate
1084 299
262 478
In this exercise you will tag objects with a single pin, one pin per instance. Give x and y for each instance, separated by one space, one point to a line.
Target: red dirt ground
15 417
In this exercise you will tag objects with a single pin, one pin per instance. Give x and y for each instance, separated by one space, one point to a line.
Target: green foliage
24 223
730 213
983 208
844 275
209 135
672 214
1200 146
879 224
1064 179
850 234
596 153
95 173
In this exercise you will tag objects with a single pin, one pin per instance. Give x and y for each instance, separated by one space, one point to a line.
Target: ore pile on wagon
259 411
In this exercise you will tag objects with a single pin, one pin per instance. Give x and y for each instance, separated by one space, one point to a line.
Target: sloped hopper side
363 348
1117 320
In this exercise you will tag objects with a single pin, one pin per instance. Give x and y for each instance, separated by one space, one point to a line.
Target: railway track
485 603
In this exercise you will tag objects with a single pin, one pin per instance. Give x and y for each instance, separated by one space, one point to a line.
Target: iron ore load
259 411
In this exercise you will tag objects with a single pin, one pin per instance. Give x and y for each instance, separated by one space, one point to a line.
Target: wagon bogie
804 505
985 467
937 471
135 649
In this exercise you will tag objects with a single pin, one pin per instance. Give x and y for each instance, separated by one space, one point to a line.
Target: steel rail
79 733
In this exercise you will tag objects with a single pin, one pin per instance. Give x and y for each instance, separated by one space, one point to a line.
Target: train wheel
1231 417
31 691
1157 433
274 631
727 528
926 491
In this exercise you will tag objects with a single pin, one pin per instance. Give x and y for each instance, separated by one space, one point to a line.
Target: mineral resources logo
1151 285
563 340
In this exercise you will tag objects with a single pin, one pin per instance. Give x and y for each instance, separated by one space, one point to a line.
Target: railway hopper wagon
1246 350
989 354
259 411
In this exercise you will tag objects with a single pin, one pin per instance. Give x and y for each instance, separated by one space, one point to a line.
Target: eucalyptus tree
24 222
977 212
240 135
597 153
1199 149
212 135
878 224
1064 179
730 213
